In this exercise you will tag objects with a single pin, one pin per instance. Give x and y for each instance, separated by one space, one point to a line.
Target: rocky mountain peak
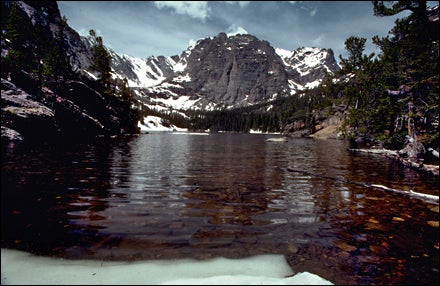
239 70
235 70
225 71
307 66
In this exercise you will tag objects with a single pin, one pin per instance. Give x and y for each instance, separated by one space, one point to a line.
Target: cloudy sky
147 28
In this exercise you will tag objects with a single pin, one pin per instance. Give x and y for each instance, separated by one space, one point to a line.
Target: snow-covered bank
155 123
23 268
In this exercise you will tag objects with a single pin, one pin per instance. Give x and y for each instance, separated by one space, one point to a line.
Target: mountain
37 105
224 72
227 71
307 66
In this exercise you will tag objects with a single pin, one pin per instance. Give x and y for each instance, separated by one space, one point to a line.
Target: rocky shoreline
416 164
322 126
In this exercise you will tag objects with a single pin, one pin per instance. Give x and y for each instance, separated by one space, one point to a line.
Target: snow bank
154 123
23 268
258 131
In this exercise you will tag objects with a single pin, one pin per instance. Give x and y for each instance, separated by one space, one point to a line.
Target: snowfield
20 267
154 123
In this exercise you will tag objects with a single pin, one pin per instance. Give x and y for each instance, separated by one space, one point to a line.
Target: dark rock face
72 111
235 70
67 109
23 116
46 16
78 50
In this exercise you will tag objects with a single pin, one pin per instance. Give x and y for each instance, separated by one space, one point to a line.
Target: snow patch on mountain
177 102
168 82
142 71
157 124
182 78
294 87
180 65
284 54
313 84
304 59
308 59
235 30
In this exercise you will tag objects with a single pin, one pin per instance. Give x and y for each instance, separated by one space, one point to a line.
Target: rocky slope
74 111
224 72
319 124
72 108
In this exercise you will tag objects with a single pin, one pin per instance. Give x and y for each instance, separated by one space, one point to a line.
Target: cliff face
45 17
235 70
215 73
39 108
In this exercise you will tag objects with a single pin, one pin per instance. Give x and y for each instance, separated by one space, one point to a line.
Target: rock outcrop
38 107
224 72
235 71
319 124
73 111
23 116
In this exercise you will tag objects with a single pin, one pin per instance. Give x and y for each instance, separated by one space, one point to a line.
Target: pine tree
55 62
17 41
101 59
125 91
410 58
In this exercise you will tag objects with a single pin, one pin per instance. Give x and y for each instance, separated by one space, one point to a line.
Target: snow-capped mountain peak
229 70
141 72
306 65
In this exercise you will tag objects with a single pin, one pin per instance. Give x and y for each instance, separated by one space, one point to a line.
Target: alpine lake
199 195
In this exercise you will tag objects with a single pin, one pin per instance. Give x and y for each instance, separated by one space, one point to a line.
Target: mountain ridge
224 72
214 73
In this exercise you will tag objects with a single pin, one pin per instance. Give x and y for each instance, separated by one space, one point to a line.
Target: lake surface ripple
168 195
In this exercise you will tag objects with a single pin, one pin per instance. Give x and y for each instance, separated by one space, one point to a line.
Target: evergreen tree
355 47
418 8
410 59
101 59
17 41
125 91
55 62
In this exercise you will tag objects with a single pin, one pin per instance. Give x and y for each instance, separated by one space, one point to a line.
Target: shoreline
394 155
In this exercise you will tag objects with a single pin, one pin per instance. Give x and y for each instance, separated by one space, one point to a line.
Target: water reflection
170 196
45 188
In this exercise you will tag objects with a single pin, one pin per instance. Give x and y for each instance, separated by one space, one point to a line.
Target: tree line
394 96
